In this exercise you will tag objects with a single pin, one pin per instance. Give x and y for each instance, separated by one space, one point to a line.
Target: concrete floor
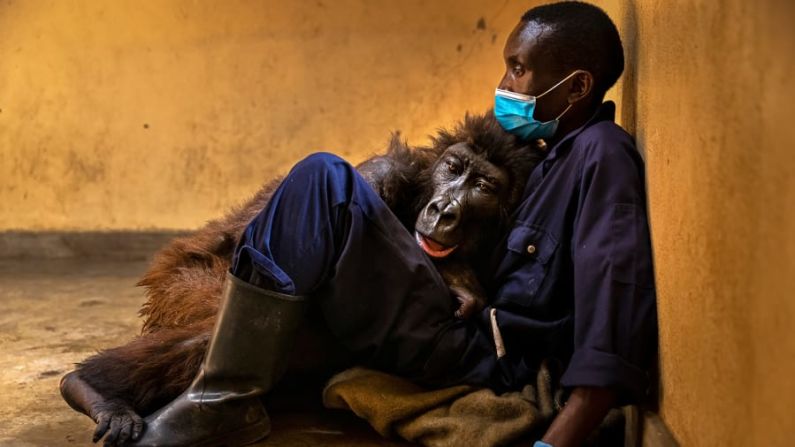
56 313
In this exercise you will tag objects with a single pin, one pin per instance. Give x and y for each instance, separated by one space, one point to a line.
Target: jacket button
531 249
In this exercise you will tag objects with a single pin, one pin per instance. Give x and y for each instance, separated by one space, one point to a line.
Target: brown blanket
454 416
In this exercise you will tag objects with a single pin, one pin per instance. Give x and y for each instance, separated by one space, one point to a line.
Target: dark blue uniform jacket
574 278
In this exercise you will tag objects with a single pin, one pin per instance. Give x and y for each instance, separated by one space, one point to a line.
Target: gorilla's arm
117 385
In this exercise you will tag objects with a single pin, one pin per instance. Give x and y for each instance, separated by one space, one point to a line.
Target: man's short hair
582 37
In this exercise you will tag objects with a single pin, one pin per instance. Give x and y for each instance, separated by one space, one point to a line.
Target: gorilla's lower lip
433 248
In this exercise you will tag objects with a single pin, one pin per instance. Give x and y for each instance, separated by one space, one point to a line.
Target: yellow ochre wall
161 114
709 94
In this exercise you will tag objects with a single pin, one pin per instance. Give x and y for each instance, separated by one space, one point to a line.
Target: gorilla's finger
464 307
113 433
138 427
103 423
126 430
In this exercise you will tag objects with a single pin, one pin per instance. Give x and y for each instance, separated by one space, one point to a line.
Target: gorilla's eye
453 166
484 186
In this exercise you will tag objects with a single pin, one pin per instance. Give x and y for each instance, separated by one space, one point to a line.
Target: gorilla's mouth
433 248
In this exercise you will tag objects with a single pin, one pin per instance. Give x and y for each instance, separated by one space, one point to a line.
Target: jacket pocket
535 248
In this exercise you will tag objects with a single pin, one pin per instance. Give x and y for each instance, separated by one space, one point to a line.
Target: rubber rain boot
247 354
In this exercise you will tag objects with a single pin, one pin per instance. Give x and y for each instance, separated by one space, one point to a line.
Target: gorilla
455 195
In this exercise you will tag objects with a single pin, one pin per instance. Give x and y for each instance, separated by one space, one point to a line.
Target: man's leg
325 234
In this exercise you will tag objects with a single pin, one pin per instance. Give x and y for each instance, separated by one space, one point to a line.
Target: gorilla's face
469 193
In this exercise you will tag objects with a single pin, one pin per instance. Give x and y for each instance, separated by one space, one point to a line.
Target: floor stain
50 373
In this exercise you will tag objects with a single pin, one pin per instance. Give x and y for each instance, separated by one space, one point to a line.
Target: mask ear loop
563 112
559 83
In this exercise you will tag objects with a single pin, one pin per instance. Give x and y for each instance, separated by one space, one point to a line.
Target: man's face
529 69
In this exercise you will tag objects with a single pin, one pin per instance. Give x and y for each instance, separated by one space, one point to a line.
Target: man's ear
581 86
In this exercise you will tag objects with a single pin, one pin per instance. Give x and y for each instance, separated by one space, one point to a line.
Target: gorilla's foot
114 417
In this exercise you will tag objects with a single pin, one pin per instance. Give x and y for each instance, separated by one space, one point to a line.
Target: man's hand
583 412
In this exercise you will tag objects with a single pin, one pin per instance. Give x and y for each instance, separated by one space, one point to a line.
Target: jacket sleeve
615 317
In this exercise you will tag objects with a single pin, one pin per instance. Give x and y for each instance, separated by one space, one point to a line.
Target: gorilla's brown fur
183 284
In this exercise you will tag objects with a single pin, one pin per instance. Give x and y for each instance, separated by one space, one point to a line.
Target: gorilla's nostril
442 208
451 212
448 217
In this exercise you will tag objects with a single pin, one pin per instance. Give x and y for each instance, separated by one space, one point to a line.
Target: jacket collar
605 112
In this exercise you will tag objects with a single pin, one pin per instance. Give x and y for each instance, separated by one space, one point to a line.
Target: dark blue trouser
326 233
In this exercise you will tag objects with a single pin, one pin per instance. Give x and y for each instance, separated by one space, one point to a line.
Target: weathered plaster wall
162 114
709 93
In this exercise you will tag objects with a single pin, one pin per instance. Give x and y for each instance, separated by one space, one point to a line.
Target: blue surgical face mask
514 112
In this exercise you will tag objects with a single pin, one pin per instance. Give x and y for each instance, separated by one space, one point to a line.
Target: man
573 278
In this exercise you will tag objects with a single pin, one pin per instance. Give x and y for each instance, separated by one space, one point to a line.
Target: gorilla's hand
114 417
117 420
471 302
464 285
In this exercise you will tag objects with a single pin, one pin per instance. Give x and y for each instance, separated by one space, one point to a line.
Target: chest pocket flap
532 242
533 248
